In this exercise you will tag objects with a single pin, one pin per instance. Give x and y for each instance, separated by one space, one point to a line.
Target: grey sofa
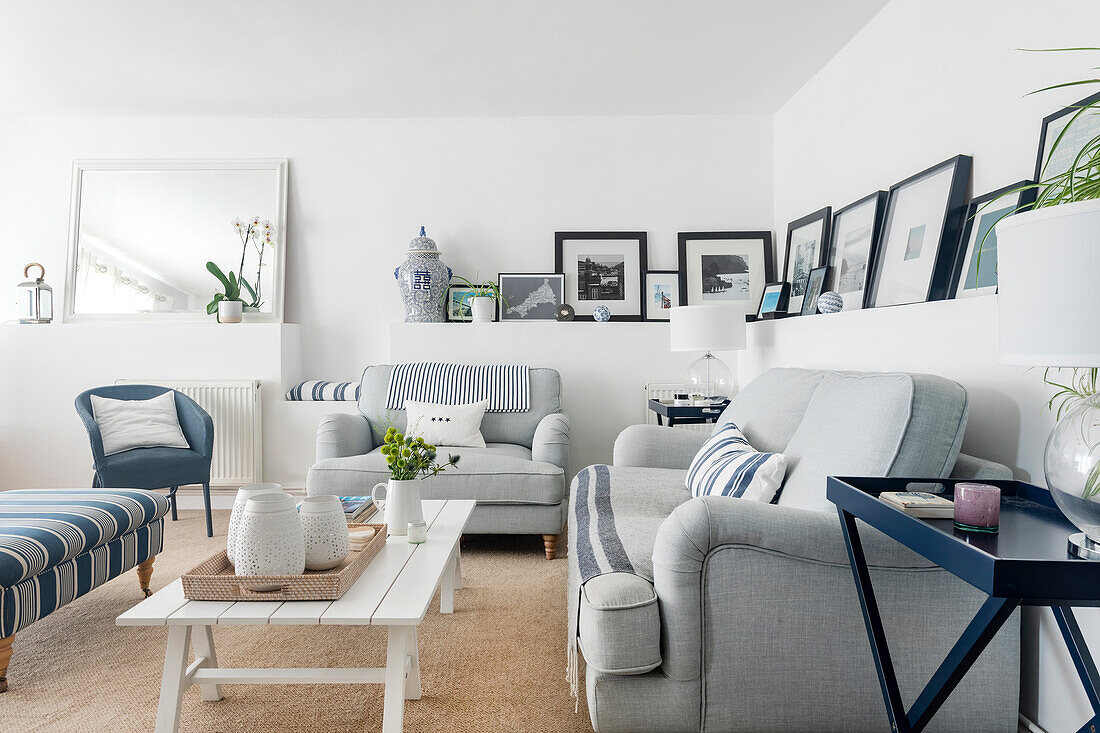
518 479
743 616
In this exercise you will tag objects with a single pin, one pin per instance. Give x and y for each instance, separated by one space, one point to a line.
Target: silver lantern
35 297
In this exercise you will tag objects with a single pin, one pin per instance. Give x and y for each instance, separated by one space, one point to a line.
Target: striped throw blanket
507 387
316 390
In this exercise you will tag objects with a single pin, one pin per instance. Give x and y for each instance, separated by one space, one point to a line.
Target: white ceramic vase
230 311
482 309
399 503
243 495
270 540
326 532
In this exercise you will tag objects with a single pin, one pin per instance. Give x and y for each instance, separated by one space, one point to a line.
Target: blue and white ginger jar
423 279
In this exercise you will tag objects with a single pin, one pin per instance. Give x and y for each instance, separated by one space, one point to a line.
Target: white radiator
234 406
665 391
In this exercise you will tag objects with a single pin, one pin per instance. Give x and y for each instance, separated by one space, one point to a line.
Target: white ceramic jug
400 504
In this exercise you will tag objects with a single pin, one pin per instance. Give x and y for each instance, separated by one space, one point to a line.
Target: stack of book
357 508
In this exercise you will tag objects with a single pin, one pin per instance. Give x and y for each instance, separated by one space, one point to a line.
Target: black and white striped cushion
727 465
506 386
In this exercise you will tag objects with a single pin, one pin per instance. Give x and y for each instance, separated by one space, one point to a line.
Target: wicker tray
213 580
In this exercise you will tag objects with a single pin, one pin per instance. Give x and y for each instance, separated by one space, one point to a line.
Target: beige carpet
497 663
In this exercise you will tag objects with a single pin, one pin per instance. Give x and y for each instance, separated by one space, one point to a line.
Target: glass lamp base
1079 545
710 377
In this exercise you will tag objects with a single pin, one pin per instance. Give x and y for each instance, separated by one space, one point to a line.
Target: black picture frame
954 211
1022 201
878 199
502 308
447 305
816 281
1042 152
780 310
639 238
767 253
824 218
645 295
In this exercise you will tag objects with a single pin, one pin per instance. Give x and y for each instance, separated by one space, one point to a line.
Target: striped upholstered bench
58 544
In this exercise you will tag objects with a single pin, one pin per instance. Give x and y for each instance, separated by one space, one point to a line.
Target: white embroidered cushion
456 425
127 424
727 465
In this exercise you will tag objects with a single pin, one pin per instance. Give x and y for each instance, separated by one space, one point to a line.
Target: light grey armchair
518 479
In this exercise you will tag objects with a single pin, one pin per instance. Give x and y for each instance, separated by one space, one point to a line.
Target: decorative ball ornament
830 302
423 279
564 312
601 314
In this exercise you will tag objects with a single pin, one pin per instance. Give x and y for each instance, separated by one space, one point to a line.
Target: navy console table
1025 564
686 414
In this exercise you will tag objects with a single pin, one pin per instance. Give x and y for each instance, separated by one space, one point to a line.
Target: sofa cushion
516 478
769 408
620 627
43 528
727 465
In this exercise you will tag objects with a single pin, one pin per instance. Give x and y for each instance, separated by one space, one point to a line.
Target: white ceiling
397 58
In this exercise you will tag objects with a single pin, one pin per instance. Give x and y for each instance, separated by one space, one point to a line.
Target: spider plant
481 289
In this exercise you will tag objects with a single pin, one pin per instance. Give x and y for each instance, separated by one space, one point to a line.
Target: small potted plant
228 304
486 296
410 460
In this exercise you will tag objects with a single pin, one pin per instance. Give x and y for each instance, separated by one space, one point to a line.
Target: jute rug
496 664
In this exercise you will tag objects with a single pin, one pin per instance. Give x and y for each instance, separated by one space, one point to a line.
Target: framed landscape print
530 296
773 302
720 267
815 286
920 234
1081 128
457 307
602 268
807 239
662 293
974 275
853 243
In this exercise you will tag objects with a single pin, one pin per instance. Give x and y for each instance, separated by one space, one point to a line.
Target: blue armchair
154 468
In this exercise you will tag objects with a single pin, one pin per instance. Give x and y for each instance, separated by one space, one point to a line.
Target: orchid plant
259 234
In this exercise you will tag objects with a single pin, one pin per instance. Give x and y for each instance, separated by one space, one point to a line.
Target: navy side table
1026 564
687 414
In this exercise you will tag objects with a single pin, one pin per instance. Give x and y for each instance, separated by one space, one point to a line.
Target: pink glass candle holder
977 508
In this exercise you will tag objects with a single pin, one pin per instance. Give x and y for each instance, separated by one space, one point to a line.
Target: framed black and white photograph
530 296
815 286
457 306
807 239
976 274
853 243
1054 160
773 301
920 234
602 268
724 267
662 293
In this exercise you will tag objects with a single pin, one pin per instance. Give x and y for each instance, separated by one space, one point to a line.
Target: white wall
923 81
490 191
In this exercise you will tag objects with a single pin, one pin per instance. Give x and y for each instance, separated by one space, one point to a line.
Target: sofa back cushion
873 425
517 428
769 408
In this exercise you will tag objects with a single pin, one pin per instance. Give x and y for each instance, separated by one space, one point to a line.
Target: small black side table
688 414
1026 564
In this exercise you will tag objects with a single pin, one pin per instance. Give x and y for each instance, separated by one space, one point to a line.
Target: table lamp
708 328
1047 300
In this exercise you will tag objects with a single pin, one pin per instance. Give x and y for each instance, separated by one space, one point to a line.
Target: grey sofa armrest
969 467
654 446
341 434
695 529
551 441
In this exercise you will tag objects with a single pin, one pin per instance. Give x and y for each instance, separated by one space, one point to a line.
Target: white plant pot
270 540
482 309
230 311
243 495
1047 260
326 532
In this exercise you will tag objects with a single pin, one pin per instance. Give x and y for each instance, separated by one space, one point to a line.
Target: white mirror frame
276 165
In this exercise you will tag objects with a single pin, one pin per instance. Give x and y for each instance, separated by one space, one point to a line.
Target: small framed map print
530 296
662 293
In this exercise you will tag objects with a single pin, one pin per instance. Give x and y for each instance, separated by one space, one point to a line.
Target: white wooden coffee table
394 591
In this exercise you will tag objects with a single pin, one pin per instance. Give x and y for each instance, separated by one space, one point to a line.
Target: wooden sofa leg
550 542
5 657
145 573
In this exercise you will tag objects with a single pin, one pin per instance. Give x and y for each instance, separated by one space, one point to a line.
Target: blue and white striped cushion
506 386
318 390
727 465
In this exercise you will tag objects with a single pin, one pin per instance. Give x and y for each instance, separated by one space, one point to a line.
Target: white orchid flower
237 223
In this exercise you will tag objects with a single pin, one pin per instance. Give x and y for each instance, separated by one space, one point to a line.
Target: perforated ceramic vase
270 540
422 280
326 532
243 495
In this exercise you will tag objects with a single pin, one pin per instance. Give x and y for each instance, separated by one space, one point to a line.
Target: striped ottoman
58 544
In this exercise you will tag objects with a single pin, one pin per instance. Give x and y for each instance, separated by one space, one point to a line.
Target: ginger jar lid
423 244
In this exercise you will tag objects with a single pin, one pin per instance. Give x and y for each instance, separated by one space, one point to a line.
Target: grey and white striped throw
507 387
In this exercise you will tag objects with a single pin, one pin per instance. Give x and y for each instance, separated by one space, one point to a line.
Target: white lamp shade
1047 265
708 327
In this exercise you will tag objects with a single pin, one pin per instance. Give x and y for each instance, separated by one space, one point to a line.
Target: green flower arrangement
408 457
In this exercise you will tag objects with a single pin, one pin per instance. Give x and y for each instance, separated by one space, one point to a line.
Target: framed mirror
141 233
